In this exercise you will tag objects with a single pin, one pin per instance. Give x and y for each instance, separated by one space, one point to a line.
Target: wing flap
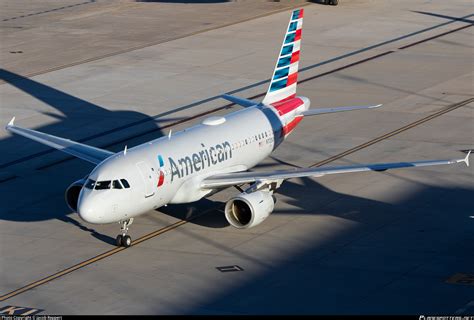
79 150
230 179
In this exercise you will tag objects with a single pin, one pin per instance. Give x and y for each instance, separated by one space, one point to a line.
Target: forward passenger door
147 176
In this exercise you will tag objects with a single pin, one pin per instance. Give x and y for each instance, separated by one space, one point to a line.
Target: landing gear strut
124 239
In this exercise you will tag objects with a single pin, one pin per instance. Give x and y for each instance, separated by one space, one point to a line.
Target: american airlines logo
201 160
161 178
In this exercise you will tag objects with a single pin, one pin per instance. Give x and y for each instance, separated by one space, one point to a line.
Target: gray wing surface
79 150
318 111
231 179
240 101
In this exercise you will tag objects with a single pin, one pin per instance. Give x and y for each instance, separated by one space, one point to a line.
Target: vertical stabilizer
284 79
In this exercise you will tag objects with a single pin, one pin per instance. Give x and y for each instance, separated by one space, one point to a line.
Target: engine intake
249 209
72 194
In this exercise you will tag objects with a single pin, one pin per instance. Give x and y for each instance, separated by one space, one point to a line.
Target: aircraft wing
79 150
231 179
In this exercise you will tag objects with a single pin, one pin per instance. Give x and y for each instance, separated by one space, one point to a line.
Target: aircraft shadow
73 112
309 197
76 119
205 212
350 271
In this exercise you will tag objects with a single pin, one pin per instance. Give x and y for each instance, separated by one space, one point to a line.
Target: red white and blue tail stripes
283 82
290 113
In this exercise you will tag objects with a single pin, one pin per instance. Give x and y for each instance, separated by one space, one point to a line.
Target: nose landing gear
124 239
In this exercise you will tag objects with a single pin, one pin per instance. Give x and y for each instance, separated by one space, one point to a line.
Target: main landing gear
124 239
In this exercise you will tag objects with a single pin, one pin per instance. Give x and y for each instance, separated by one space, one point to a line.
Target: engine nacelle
72 194
249 209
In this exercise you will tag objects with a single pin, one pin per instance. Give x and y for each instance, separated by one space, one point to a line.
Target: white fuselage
236 142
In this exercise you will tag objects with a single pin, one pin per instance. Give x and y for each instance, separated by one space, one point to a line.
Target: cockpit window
89 184
116 184
102 185
106 184
125 183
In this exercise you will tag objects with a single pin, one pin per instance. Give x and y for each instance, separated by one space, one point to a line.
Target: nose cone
85 211
88 211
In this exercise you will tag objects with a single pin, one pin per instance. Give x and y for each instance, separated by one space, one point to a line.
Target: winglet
11 123
466 159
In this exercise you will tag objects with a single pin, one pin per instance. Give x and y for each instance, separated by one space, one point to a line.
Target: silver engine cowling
247 210
72 194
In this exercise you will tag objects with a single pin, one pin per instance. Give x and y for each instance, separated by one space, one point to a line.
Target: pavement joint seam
153 43
7 164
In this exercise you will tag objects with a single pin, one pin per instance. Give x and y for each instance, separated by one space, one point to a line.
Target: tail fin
284 79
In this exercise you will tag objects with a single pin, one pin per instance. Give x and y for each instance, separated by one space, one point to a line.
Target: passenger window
116 184
89 184
125 183
102 185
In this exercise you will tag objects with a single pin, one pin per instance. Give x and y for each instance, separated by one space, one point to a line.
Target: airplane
199 161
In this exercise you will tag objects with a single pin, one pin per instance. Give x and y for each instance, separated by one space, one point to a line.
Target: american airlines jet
203 159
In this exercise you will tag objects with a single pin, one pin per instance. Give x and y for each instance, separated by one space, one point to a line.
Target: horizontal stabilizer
240 101
314 112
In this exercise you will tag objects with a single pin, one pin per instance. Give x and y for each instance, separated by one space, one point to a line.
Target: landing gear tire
119 240
333 2
126 241
123 239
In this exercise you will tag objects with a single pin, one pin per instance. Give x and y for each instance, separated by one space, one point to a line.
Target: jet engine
72 194
247 210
